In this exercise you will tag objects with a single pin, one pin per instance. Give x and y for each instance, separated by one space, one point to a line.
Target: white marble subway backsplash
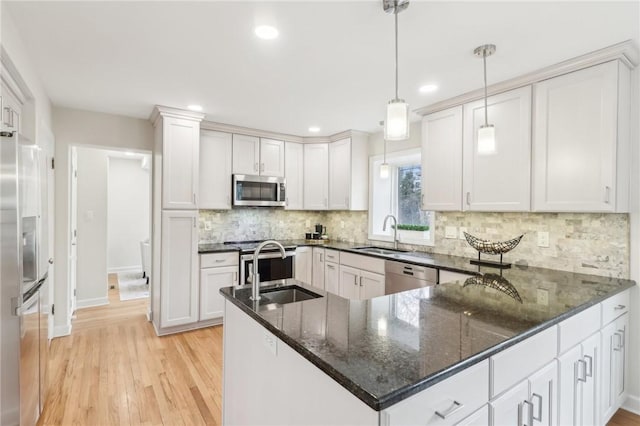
589 243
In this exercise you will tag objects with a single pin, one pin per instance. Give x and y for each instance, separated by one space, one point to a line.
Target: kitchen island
331 360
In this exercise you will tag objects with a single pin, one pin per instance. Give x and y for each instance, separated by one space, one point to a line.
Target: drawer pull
619 307
219 260
589 370
456 406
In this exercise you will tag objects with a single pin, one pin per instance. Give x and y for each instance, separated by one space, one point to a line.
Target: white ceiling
332 65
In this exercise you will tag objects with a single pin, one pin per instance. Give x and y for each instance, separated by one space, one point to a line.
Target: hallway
114 370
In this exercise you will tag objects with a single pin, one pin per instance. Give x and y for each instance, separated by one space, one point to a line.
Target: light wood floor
114 370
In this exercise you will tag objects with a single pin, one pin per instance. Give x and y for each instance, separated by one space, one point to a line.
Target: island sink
288 294
379 250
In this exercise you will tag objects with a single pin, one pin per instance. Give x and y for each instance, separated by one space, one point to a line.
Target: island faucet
395 229
255 276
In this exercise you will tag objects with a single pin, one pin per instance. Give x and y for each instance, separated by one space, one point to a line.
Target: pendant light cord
486 115
395 14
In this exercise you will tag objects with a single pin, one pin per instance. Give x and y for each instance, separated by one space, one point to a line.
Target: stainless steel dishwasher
400 276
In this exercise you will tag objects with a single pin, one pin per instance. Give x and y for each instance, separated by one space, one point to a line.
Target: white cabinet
180 160
580 141
359 284
508 408
304 265
10 111
215 170
499 181
348 174
479 418
317 279
578 383
349 287
257 156
179 268
211 281
442 160
294 175
614 360
332 277
316 173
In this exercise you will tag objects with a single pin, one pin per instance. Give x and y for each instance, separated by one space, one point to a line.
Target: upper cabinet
316 173
180 161
348 174
442 160
294 175
257 156
215 170
498 181
580 141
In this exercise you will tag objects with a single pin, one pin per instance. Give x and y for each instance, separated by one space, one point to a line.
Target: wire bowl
492 247
495 282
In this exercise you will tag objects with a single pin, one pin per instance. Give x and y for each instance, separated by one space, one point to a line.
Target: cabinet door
304 264
215 170
179 268
211 281
271 157
371 285
180 153
574 141
614 349
331 277
499 181
316 171
349 282
510 409
294 174
318 268
570 393
543 399
620 359
442 160
589 410
339 174
246 155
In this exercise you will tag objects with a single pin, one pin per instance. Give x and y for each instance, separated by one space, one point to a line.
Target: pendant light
396 125
486 132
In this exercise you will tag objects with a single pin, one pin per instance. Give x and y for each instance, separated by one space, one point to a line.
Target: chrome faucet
395 229
255 276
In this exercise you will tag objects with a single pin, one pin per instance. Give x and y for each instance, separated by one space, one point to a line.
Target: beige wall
84 128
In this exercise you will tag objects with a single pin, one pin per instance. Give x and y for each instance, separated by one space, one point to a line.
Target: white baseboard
88 303
632 403
133 268
62 330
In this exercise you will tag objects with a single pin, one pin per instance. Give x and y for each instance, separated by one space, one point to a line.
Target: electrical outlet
543 239
543 296
307 223
462 231
342 224
270 342
450 232
208 226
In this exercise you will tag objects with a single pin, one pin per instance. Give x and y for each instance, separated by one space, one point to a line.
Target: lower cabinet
332 277
304 265
479 418
212 279
358 284
614 359
317 273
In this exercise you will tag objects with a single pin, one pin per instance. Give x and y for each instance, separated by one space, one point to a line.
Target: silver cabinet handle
194 222
360 281
194 198
456 406
9 112
219 260
286 201
331 267
530 413
577 371
619 307
51 261
618 346
235 277
468 198
355 280
589 369
539 416
607 194
622 342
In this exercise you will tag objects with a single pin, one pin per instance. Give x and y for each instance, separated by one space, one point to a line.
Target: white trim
89 303
164 111
632 403
118 269
61 330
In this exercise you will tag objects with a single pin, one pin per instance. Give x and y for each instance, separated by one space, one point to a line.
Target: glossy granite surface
388 348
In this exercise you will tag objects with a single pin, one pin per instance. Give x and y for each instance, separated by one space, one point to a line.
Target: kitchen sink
288 294
379 250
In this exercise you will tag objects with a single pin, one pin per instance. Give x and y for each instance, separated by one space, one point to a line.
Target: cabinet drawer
615 306
366 263
454 399
332 255
577 328
516 363
212 260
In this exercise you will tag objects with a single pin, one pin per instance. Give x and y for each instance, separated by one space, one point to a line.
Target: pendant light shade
384 171
486 132
396 124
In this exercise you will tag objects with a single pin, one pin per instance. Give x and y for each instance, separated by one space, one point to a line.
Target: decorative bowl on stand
492 247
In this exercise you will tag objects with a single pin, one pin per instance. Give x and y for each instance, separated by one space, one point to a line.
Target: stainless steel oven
271 266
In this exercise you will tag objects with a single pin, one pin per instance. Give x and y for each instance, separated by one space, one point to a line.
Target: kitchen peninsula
531 343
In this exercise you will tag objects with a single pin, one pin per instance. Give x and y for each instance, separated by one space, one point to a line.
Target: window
401 196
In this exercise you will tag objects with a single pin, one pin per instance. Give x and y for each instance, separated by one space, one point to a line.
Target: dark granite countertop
386 349
215 248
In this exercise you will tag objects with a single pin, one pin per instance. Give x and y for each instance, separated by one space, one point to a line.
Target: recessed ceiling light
428 88
266 32
314 129
195 108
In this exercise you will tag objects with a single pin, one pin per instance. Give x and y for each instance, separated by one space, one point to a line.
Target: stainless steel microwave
258 191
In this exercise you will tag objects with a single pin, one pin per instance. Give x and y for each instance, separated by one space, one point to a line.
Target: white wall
376 141
92 283
84 128
37 119
129 200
